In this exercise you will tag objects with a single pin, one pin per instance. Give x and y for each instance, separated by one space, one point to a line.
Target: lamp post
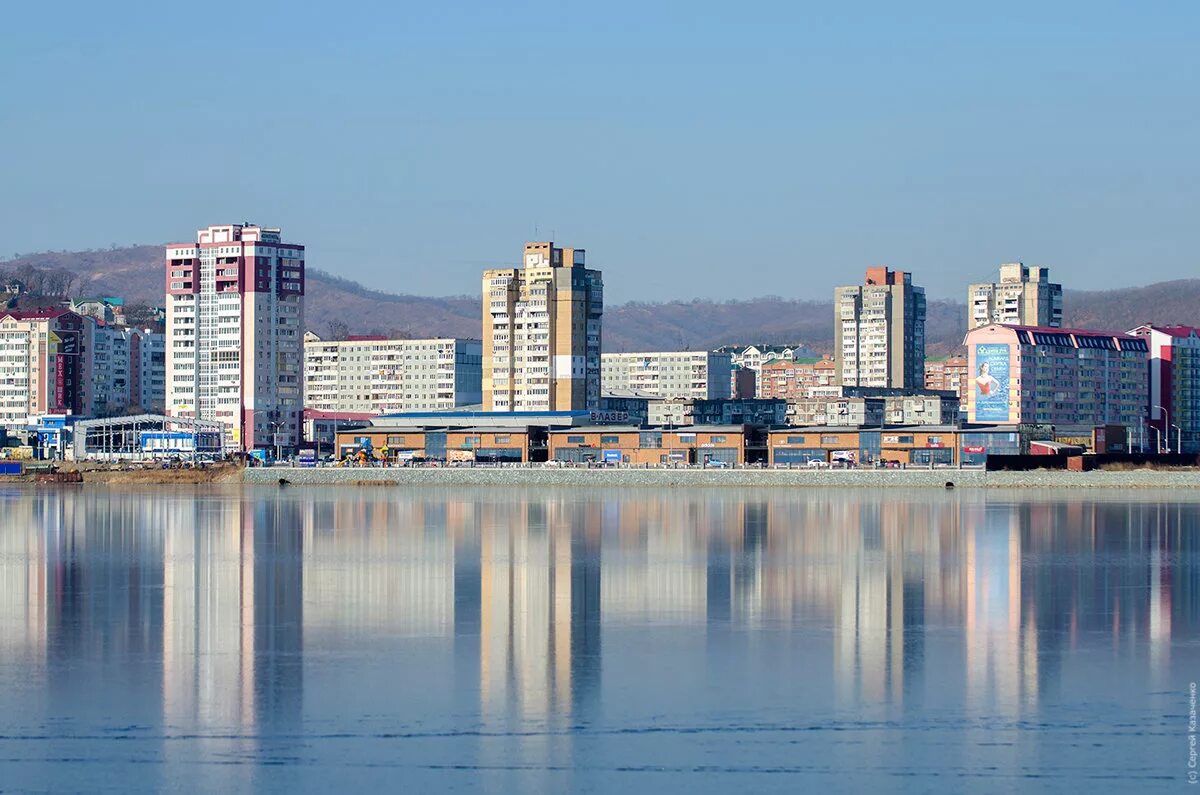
1178 438
1164 431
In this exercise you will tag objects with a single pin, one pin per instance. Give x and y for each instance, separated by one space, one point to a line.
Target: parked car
816 463
716 464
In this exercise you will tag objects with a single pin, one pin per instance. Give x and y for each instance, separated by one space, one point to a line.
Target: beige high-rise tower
541 332
1024 296
879 331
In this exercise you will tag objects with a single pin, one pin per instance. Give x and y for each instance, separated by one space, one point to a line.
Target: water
501 640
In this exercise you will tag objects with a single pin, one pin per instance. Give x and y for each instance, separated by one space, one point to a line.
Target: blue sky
695 150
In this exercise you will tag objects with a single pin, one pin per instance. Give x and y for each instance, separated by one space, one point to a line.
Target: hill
136 274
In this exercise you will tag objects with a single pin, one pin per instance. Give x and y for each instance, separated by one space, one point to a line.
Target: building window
502 438
795 440
829 440
716 439
610 440
574 440
395 440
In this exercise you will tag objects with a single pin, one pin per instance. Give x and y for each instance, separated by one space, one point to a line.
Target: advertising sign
991 382
612 456
608 417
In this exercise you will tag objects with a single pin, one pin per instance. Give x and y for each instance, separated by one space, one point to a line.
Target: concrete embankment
740 478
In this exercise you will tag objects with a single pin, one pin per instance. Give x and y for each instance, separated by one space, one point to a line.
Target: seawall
740 478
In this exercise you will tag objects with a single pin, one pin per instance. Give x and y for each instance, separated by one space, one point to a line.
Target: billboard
990 382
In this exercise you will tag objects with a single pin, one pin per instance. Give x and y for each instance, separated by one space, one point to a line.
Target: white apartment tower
541 332
235 315
1024 296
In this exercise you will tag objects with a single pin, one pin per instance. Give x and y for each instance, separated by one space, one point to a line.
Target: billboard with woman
991 383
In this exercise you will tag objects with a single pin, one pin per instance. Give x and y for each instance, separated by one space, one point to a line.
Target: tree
338 330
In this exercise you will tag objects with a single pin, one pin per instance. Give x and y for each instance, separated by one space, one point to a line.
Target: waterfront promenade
740 478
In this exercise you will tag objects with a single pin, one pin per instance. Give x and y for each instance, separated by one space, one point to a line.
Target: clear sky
694 149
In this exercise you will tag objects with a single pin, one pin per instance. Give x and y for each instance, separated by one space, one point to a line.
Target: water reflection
247 619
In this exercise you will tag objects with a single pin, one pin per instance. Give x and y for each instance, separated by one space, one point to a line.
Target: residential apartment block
879 331
794 379
1024 296
45 365
377 375
151 382
115 357
1056 376
1174 388
948 375
541 332
235 315
668 374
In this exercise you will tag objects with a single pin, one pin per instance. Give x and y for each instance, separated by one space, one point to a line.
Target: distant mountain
136 273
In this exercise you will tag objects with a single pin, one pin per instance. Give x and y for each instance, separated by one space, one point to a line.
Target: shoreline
1136 479
735 478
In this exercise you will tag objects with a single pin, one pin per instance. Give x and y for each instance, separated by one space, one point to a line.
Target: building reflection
217 597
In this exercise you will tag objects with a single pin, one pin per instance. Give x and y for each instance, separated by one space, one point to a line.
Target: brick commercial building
235 316
655 446
1054 376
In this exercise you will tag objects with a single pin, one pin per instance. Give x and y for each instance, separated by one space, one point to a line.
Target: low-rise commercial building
517 444
1029 375
668 374
916 445
729 445
856 406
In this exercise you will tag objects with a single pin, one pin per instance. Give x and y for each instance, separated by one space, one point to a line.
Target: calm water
543 641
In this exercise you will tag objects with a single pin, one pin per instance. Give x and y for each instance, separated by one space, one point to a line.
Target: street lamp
1178 438
1164 429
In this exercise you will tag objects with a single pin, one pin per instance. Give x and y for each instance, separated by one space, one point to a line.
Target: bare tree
338 330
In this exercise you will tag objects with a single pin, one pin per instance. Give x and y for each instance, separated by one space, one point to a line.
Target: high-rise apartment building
114 360
1174 391
668 374
45 365
541 332
235 315
1056 376
1024 296
879 331
376 375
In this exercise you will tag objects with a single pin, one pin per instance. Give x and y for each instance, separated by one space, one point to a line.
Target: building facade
376 375
235 315
1054 376
1173 399
45 365
115 361
541 332
948 375
1024 296
794 379
152 371
879 331
668 374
